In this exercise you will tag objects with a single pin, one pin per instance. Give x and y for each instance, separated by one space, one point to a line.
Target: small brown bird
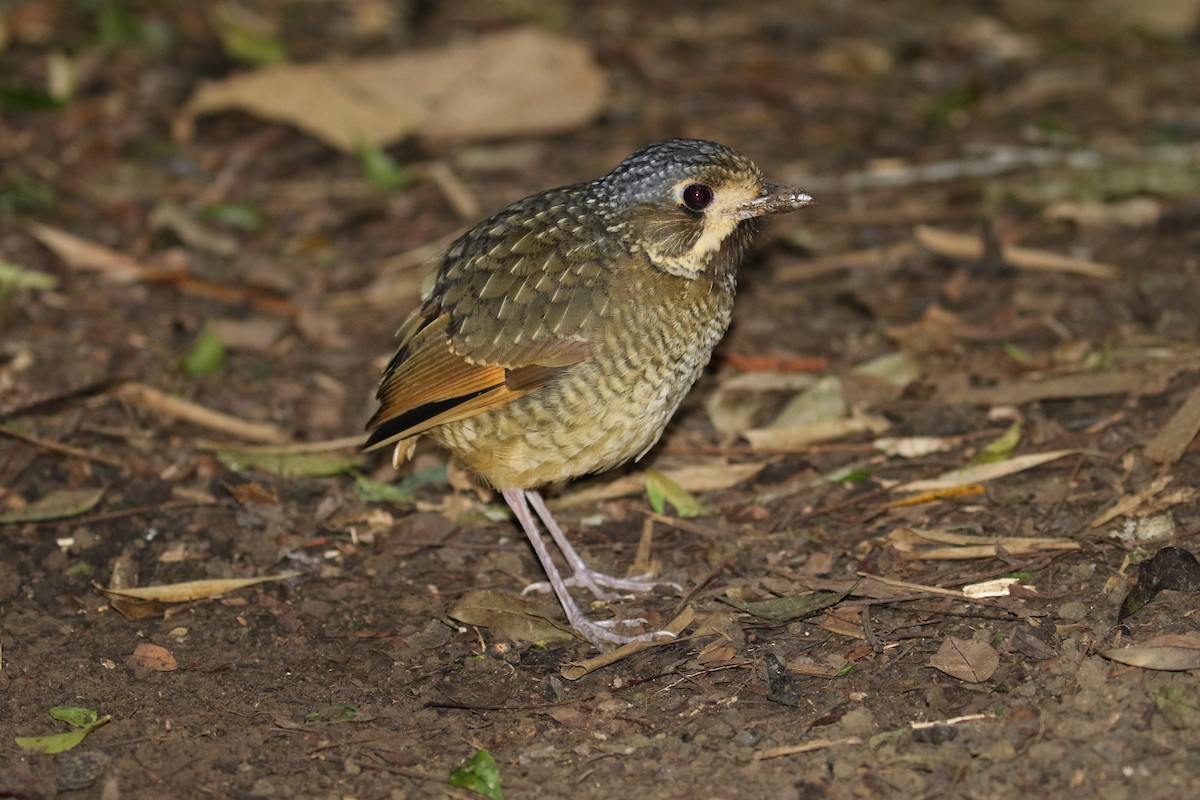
562 333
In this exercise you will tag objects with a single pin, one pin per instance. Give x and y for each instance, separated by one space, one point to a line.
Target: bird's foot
593 581
601 633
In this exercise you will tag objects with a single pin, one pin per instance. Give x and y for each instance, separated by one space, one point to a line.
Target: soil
351 679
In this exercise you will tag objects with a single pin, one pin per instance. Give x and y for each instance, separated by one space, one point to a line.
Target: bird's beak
774 198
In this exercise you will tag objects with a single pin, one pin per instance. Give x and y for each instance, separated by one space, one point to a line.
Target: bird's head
684 201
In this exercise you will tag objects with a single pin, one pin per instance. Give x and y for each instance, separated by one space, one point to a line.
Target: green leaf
242 216
206 357
84 720
1002 447
786 609
855 475
247 37
292 465
16 99
75 717
373 491
55 743
661 490
382 170
13 276
479 774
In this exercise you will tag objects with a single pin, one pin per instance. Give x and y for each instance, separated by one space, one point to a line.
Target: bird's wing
526 286
511 310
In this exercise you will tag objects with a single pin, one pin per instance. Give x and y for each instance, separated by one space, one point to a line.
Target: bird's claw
593 581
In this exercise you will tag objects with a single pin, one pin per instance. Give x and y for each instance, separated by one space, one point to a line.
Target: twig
158 401
59 447
579 669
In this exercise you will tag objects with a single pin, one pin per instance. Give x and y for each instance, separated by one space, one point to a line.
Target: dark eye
697 196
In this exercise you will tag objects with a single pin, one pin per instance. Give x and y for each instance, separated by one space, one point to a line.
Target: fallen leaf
1174 438
820 402
479 774
206 356
981 473
895 369
997 587
1127 504
786 609
520 82
292 465
187 591
1151 378
247 36
508 616
15 277
1137 213
699 478
1171 653
56 504
969 660
817 431
660 490
153 657
1002 447
967 247
82 254
914 446
739 401
251 492
939 545
84 720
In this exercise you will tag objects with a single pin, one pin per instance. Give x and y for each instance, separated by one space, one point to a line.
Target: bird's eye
697 196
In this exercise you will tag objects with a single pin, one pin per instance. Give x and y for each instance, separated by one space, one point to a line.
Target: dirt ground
1069 129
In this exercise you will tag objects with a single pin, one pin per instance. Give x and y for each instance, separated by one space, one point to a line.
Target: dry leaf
997 587
56 504
1138 213
1171 652
508 616
191 590
915 543
700 478
1173 440
970 248
915 446
82 254
819 431
981 473
152 656
1151 378
521 82
968 660
739 401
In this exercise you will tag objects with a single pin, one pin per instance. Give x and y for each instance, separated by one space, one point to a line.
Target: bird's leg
598 633
584 576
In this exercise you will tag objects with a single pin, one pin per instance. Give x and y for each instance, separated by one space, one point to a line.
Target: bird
560 335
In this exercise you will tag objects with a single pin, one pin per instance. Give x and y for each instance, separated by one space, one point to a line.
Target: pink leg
584 576
598 633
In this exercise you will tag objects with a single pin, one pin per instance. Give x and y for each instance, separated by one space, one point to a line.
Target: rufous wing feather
427 384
